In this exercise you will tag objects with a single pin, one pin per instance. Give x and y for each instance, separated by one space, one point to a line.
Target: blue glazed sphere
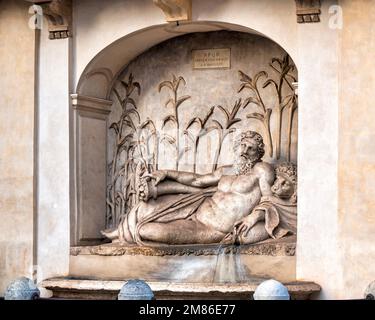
271 290
22 289
136 290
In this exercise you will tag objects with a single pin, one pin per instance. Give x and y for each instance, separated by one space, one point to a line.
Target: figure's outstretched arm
194 179
174 187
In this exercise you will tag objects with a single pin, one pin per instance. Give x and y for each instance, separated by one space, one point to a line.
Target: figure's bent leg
256 234
180 232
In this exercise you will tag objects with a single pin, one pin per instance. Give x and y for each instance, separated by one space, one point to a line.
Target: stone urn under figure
242 203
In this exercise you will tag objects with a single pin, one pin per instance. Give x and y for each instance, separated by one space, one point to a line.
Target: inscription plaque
211 58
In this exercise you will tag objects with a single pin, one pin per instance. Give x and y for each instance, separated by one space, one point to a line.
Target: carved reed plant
201 133
283 67
125 130
133 137
227 128
175 101
264 113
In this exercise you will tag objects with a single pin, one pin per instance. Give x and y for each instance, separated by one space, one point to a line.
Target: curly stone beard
243 166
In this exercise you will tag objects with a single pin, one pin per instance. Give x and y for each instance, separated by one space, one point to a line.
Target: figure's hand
230 238
242 226
158 176
143 190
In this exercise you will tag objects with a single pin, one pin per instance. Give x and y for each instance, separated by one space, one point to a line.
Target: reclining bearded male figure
189 208
277 214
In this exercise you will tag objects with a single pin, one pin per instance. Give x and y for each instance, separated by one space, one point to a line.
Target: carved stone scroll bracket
308 11
59 17
175 10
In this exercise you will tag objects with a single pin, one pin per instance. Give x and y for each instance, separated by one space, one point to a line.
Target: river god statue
188 208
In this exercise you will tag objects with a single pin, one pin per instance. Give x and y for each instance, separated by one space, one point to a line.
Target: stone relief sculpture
275 215
242 203
121 192
175 101
284 68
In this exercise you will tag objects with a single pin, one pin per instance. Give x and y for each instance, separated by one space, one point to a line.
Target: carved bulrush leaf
167 84
181 100
256 115
175 102
194 120
201 133
257 100
284 68
230 120
291 105
115 127
169 118
150 124
169 139
124 139
248 83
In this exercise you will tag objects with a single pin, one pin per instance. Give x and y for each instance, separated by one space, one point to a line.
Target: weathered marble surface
198 263
71 288
283 247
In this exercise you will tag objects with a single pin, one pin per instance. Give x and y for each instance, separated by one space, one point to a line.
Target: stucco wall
17 53
356 184
318 247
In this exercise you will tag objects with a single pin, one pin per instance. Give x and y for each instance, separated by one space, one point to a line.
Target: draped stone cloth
165 209
280 216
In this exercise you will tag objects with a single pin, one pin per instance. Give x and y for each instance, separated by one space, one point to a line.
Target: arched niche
95 100
98 76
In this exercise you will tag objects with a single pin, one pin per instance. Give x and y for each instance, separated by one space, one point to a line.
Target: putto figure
188 208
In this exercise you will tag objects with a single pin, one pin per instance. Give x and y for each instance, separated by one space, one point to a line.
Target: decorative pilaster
308 11
175 10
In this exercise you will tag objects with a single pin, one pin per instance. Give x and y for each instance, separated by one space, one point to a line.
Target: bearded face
248 153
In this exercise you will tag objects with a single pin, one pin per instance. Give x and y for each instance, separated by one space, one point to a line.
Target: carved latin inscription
211 58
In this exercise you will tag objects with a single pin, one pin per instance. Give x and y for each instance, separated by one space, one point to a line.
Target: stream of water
229 267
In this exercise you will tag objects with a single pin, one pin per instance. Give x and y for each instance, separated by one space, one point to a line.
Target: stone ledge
283 247
70 288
